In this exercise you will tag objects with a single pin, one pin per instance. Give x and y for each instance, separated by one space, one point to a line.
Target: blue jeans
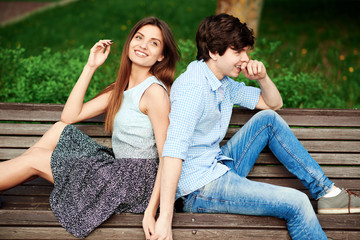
234 193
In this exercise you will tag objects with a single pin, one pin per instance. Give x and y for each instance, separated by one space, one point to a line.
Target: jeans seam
191 201
304 229
249 144
295 157
229 201
209 210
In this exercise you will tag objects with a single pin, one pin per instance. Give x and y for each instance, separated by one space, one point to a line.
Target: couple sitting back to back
159 155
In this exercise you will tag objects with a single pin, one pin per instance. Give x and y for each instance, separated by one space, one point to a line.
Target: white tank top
133 135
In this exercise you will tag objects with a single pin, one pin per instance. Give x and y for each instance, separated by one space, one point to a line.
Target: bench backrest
331 136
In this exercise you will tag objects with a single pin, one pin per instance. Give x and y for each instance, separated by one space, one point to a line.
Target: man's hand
162 230
253 70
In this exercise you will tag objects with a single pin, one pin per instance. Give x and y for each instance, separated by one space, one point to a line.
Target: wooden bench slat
264 158
294 117
16 141
181 220
131 234
32 190
321 158
353 184
35 112
281 172
328 146
306 117
24 129
311 146
315 133
25 202
42 188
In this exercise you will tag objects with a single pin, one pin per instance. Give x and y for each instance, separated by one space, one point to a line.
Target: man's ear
213 56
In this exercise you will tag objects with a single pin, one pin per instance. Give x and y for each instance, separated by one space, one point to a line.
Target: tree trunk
248 11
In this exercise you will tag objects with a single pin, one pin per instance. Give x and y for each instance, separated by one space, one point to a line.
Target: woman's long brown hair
164 70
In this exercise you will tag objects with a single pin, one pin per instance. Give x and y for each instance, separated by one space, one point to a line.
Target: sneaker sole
338 211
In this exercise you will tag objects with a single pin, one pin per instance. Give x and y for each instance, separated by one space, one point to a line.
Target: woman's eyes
154 43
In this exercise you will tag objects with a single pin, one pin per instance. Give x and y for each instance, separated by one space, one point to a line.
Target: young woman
91 182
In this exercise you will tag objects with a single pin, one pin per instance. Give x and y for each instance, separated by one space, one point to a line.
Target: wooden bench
331 136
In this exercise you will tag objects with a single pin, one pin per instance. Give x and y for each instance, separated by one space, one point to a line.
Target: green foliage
298 89
313 58
188 54
315 42
50 76
46 78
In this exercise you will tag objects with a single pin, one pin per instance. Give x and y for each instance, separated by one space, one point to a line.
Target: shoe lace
349 194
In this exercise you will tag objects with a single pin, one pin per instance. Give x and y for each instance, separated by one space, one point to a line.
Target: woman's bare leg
34 162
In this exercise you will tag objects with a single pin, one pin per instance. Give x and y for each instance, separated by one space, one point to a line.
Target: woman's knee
39 159
59 125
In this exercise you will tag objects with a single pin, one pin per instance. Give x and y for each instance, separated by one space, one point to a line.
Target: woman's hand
99 53
148 224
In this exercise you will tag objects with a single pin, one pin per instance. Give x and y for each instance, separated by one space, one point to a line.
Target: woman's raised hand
99 53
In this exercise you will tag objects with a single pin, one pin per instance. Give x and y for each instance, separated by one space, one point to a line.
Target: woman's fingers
102 44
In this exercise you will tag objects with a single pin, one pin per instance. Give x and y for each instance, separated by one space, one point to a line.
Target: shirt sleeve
186 110
244 96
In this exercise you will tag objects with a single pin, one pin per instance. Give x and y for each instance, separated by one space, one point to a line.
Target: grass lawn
311 48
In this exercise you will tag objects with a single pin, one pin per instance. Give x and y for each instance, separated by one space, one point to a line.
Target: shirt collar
213 81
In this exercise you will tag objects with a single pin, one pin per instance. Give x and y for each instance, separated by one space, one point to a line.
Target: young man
213 179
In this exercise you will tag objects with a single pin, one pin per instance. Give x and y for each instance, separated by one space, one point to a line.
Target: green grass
311 48
85 22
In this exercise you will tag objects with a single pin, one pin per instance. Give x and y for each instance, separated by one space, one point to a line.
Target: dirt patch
14 10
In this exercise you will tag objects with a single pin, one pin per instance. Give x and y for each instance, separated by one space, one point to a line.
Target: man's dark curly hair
219 32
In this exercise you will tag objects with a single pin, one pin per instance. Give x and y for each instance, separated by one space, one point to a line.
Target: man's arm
169 180
270 97
186 110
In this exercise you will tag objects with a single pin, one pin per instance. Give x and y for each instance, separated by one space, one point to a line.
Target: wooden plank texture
294 117
35 112
25 129
311 146
281 172
200 226
41 218
332 136
306 117
178 234
314 133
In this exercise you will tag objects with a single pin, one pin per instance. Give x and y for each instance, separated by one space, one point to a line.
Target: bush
49 77
298 89
46 78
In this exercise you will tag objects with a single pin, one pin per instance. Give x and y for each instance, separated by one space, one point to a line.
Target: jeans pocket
188 202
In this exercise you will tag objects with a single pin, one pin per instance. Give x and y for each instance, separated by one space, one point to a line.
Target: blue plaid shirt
201 108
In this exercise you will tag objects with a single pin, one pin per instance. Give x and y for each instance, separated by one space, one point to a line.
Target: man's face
229 64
